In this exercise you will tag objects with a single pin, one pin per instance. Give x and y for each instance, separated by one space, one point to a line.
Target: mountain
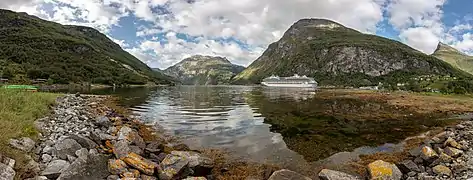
204 70
454 57
336 55
32 48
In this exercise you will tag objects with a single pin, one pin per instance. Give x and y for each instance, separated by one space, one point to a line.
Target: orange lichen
140 163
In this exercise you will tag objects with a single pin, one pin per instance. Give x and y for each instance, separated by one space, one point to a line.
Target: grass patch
18 111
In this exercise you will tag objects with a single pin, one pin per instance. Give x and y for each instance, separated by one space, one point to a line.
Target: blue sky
163 32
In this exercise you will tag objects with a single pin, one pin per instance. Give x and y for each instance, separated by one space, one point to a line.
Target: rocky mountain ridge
454 57
33 48
337 55
204 70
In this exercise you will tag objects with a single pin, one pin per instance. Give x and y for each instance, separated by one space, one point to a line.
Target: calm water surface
272 124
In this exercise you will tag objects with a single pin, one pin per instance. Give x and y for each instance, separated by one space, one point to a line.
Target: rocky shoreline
84 139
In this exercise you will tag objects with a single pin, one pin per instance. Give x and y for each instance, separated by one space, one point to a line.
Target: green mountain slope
336 55
204 70
32 48
454 57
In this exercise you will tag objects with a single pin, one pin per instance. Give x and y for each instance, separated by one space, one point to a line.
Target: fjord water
276 125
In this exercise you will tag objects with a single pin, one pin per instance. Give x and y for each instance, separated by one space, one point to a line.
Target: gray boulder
285 174
66 147
46 158
103 121
173 167
124 132
94 166
408 166
327 174
55 168
6 172
201 165
25 144
84 141
121 149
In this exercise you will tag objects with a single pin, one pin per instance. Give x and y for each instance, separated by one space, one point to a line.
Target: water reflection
272 124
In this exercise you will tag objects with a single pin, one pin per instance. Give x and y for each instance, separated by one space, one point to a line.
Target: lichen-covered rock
124 132
66 147
195 178
146 177
444 158
452 143
172 167
384 170
428 154
121 149
25 144
55 168
117 166
285 174
442 170
6 172
327 174
140 163
453 152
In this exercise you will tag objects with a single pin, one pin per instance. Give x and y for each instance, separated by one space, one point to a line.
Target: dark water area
272 124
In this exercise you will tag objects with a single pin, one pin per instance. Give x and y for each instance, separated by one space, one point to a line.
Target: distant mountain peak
199 57
318 23
442 47
200 69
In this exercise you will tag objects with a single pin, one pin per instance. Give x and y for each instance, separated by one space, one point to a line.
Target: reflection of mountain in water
322 126
215 117
272 124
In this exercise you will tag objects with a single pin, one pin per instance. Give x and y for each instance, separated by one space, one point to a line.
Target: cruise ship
293 81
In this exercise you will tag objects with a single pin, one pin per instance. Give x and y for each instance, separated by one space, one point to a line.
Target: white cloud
248 27
466 44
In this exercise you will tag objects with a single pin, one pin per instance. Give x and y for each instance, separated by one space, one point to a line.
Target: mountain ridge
454 57
204 70
337 55
34 48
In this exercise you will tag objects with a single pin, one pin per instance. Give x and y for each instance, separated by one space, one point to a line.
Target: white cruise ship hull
289 85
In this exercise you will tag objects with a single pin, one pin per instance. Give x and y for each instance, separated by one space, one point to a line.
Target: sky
163 32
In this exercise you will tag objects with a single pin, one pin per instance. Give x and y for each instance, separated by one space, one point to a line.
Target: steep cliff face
32 48
204 70
337 55
454 57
